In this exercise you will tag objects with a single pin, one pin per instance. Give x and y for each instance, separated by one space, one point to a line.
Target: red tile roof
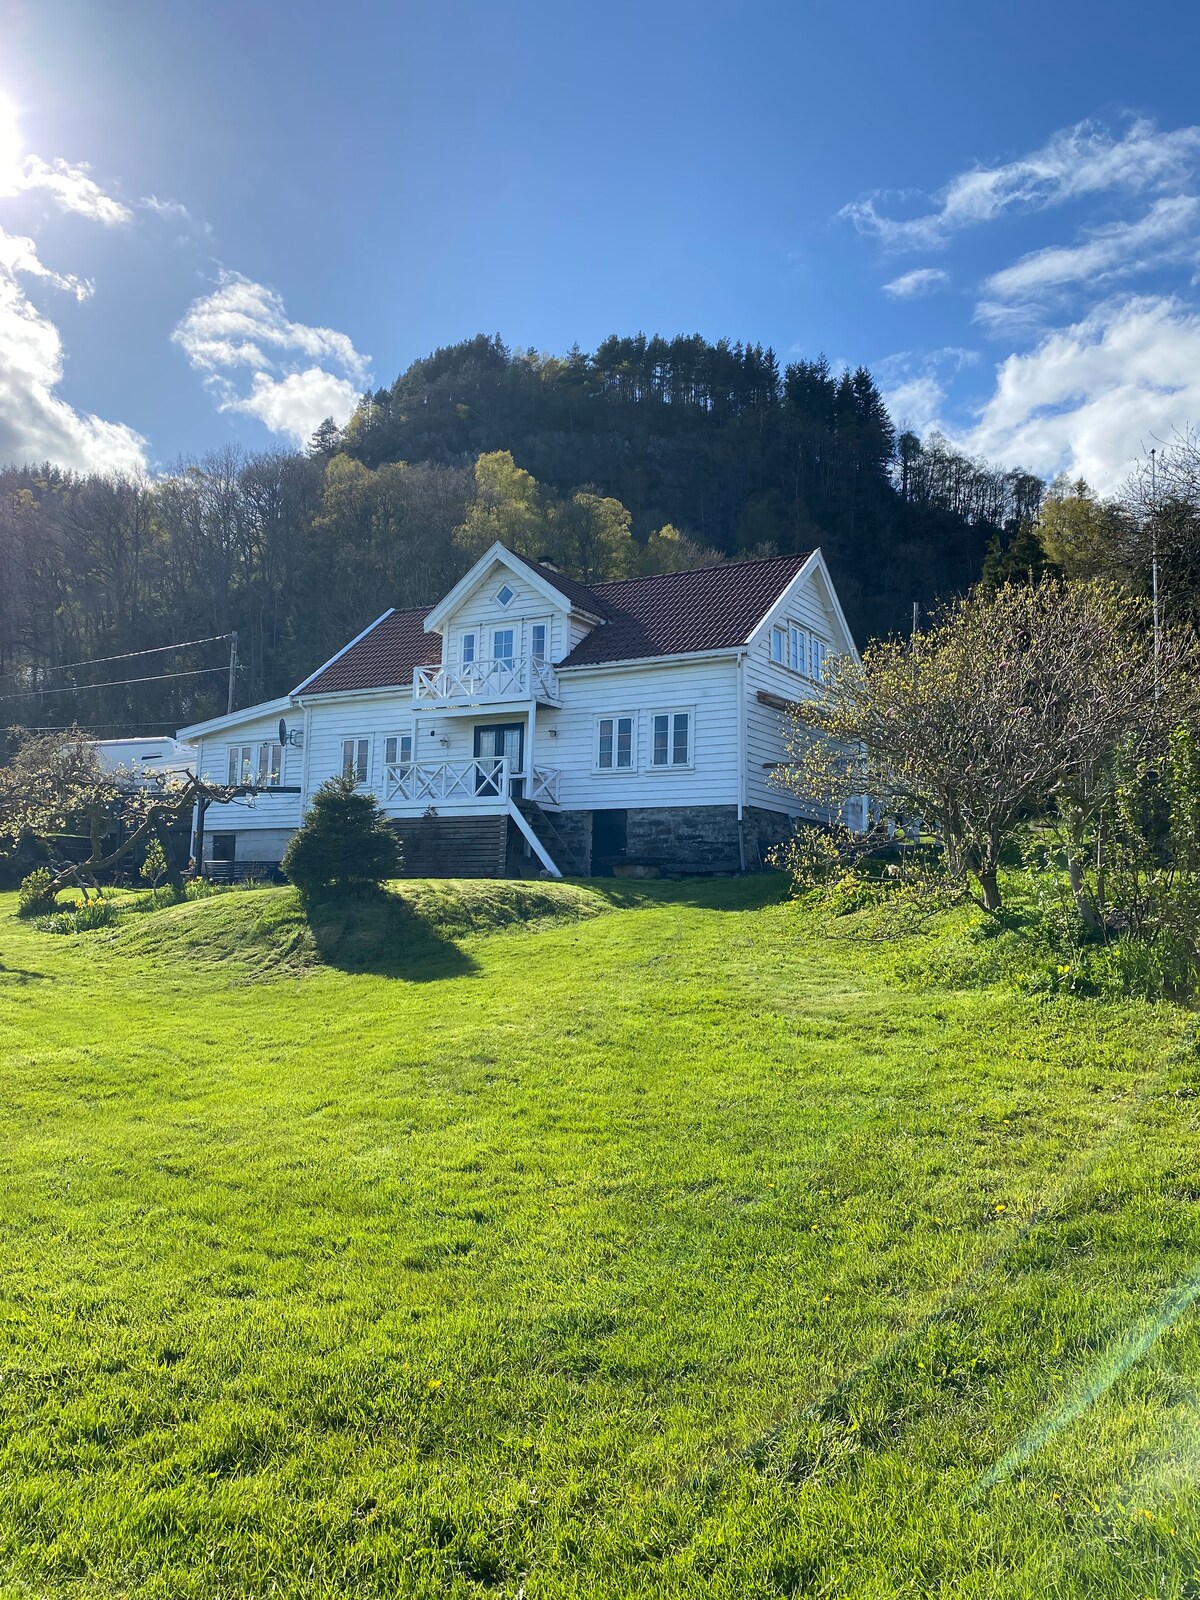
579 594
383 658
710 608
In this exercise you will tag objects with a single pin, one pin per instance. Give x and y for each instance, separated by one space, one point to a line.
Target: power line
115 683
97 661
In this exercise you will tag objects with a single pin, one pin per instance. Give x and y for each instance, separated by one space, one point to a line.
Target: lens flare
1113 1364
10 143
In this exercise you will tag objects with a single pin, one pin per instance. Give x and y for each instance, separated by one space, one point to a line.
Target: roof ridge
799 556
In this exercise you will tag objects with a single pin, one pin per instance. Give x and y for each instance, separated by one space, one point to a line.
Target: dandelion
435 1383
1001 1208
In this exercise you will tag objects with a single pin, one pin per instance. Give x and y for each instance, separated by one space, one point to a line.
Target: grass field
662 1245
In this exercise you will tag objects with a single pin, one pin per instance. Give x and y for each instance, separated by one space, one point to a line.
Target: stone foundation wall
576 829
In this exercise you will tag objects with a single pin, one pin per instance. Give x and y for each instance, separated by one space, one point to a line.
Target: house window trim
789 632
815 643
471 634
615 771
277 782
540 622
245 757
672 712
512 595
401 759
356 739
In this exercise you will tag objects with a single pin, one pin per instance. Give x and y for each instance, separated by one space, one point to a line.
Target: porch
483 784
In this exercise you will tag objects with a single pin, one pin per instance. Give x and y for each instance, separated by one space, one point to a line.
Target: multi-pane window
671 739
614 744
468 648
537 641
820 654
241 763
798 648
397 750
355 759
502 645
270 764
258 764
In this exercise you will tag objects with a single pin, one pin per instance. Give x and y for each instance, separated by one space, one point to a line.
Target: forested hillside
646 455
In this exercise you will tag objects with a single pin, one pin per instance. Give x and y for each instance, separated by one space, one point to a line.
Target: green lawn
662 1246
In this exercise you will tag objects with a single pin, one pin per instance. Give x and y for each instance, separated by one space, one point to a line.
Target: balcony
484 683
487 783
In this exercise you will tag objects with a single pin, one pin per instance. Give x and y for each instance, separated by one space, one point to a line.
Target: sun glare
10 139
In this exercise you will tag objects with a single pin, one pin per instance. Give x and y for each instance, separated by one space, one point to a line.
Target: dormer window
505 595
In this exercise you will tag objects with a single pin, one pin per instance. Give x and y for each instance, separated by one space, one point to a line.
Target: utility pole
232 670
1154 562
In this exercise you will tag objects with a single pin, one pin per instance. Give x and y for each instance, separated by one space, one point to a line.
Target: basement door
493 740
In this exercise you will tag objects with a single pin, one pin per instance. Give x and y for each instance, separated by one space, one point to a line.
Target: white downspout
743 757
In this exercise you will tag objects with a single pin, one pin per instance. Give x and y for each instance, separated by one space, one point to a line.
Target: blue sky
220 222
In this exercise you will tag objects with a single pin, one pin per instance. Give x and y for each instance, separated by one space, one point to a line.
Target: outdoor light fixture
444 742
553 732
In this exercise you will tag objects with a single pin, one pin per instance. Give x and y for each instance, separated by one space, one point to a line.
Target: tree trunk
989 884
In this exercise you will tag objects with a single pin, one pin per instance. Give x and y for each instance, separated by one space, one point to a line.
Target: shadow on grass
749 892
369 930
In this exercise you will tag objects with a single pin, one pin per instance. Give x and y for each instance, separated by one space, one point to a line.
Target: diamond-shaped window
505 596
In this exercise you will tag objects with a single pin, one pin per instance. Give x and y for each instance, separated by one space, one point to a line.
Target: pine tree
344 843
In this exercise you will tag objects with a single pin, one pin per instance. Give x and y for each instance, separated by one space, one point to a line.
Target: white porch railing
479 682
545 785
485 780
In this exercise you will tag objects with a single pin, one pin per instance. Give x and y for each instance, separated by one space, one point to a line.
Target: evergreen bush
344 843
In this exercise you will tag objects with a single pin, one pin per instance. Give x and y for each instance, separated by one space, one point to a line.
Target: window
224 846
270 764
397 750
614 744
502 645
505 595
671 743
779 646
468 648
820 654
355 757
537 641
798 653
241 763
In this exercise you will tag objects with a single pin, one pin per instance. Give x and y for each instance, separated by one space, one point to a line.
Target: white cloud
1165 235
913 384
293 367
916 404
1075 162
19 254
174 211
295 406
36 424
1090 397
70 187
921 281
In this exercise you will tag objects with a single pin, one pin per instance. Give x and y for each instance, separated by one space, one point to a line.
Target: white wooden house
530 722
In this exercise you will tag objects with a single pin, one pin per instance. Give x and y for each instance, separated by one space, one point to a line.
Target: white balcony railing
482 682
483 781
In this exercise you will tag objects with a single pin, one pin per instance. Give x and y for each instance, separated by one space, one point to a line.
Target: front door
493 740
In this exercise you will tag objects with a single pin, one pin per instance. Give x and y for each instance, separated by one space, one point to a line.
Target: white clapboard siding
705 688
766 745
479 612
267 810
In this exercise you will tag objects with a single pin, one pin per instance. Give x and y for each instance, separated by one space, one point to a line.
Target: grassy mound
408 930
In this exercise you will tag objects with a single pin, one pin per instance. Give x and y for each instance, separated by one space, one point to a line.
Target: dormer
508 607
